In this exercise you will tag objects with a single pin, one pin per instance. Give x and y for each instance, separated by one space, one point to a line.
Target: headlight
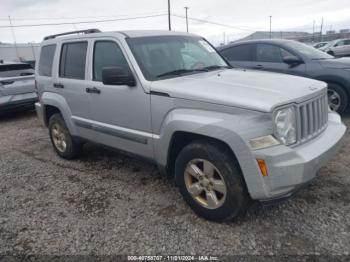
285 125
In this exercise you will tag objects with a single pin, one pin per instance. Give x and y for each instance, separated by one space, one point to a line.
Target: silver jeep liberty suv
227 135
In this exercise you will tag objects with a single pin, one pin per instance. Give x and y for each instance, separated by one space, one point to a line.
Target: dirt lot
108 203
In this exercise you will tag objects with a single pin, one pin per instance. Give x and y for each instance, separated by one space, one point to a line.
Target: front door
120 113
271 58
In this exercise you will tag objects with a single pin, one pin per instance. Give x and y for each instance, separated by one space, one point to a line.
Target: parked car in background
319 45
226 135
17 86
338 48
295 58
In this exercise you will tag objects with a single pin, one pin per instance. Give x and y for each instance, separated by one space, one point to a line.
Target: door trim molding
120 132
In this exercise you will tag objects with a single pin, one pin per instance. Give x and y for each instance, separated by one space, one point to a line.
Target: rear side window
107 54
46 60
73 58
238 53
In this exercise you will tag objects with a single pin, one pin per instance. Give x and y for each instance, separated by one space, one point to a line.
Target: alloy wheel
205 183
334 100
59 138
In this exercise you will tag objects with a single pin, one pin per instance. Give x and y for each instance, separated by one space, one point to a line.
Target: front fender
232 129
58 101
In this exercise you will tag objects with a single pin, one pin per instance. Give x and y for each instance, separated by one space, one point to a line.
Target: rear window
238 53
73 58
13 67
46 60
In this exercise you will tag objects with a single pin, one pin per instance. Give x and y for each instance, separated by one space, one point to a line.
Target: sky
232 19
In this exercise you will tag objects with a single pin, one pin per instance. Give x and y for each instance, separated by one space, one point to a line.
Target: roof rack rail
87 31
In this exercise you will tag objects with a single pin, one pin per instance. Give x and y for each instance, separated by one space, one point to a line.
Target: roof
143 33
127 33
266 41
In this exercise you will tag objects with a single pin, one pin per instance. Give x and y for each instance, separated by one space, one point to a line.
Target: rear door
346 47
71 83
269 57
342 48
240 55
338 48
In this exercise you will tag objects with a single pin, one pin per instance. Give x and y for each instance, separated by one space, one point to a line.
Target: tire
337 98
230 204
71 148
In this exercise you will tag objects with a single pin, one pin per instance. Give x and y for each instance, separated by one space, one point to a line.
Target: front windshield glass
308 51
162 57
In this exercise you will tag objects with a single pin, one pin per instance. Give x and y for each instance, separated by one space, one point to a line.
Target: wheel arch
181 139
55 103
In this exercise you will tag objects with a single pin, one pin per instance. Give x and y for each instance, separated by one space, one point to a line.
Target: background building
19 52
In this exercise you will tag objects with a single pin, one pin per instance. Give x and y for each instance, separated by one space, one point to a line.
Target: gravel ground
108 203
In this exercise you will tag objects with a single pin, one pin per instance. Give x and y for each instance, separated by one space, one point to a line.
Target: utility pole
169 19
186 8
313 32
321 30
14 38
33 52
270 26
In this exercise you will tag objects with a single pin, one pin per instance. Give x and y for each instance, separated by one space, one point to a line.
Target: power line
81 17
86 22
214 23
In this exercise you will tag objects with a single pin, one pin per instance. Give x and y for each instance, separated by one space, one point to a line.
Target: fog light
262 166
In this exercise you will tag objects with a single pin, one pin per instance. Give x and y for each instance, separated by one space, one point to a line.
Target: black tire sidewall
71 148
343 96
237 197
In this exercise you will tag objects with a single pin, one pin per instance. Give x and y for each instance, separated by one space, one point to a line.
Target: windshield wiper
180 72
215 67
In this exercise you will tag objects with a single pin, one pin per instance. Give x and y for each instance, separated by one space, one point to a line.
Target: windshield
172 56
308 51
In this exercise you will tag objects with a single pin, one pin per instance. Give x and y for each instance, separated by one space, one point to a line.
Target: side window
73 59
339 43
268 53
238 53
285 54
347 42
46 59
107 54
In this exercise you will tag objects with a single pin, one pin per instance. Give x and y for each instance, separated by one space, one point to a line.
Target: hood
255 90
339 63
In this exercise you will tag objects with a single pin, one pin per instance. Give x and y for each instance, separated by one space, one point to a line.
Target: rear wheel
337 98
211 182
62 141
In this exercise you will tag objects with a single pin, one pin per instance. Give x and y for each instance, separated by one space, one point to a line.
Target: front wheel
337 98
211 182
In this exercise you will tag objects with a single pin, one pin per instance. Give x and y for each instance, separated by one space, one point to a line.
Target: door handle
93 90
58 85
259 66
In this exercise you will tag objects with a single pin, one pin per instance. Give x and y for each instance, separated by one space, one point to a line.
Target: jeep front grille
312 118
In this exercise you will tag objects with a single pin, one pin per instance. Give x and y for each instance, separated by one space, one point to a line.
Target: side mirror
292 61
117 76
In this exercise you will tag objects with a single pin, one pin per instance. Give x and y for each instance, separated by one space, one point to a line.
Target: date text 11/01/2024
173 258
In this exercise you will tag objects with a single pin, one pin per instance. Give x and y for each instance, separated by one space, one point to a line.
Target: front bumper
290 168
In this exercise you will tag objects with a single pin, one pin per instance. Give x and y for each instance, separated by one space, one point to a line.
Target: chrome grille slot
312 118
